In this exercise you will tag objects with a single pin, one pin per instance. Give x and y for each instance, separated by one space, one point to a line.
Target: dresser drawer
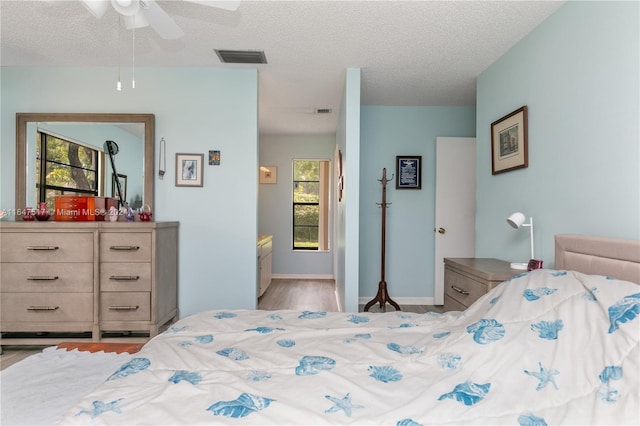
48 307
125 247
125 306
125 277
452 305
46 247
46 277
462 288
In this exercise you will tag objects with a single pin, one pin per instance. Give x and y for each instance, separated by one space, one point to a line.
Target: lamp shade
516 220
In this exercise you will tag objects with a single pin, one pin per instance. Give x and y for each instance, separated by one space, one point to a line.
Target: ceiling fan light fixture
126 7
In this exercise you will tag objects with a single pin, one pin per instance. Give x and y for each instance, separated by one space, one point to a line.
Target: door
455 217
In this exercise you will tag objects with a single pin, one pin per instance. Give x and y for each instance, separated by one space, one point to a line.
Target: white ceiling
410 52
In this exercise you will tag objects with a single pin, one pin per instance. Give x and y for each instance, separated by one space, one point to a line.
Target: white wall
578 74
196 110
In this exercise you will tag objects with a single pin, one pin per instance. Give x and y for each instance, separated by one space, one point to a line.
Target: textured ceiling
410 53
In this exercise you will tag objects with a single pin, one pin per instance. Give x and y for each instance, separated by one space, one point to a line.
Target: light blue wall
578 73
386 133
348 210
196 110
274 206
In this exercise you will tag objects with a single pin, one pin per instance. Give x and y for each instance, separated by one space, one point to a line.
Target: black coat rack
383 295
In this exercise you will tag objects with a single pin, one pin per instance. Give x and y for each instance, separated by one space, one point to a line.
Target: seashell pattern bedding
546 347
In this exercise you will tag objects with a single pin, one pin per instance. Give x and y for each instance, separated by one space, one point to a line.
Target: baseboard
302 276
401 300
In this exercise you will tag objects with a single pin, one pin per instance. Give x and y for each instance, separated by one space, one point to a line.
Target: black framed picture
408 172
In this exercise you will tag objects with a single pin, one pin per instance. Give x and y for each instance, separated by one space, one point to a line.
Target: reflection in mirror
63 154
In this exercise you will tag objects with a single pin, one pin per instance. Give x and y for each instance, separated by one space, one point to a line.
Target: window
64 167
310 204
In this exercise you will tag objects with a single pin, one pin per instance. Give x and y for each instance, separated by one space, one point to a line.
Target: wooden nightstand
466 279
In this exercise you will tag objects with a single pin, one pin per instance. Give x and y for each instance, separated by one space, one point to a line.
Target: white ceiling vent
241 56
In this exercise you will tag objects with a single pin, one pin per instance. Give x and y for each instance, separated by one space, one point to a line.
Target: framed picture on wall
268 174
189 169
409 172
509 145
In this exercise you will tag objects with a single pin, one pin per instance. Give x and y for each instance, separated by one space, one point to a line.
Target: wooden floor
299 295
317 295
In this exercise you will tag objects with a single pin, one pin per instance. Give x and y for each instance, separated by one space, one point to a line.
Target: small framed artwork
189 169
123 186
268 174
408 172
509 145
340 176
214 158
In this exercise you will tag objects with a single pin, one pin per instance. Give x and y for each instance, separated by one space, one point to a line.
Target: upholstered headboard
614 257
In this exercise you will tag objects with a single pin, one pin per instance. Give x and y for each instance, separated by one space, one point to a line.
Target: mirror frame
21 145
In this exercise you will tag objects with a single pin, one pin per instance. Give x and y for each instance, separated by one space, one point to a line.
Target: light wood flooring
299 295
317 295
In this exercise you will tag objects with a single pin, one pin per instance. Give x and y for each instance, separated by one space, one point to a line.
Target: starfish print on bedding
100 407
343 404
545 376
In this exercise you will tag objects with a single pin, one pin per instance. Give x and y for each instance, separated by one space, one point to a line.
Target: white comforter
546 347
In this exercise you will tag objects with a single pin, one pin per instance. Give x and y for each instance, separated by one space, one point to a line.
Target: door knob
441 230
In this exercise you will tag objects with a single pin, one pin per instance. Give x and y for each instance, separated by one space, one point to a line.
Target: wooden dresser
467 279
265 262
91 281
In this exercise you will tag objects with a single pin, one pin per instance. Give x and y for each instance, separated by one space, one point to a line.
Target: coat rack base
383 298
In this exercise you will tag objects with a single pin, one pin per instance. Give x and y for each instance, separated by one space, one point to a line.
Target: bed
545 347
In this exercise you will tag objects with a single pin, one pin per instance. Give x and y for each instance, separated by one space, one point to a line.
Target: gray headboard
614 257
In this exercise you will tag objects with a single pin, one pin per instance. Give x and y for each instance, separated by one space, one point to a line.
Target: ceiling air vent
241 56
323 111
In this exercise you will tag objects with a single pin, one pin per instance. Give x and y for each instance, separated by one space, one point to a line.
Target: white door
455 218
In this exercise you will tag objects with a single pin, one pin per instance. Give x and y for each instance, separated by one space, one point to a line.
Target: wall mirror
134 134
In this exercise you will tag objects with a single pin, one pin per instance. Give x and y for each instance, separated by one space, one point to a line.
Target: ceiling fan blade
160 21
221 4
96 7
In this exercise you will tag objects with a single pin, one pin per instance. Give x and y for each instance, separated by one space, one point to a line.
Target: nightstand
466 279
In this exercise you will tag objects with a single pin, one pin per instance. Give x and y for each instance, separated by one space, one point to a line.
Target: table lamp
516 220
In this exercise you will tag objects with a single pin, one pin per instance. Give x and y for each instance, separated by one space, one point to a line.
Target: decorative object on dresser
87 281
466 279
509 142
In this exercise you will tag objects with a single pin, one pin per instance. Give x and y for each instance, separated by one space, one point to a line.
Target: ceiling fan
143 13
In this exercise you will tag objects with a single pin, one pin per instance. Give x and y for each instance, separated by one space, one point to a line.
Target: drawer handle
124 277
43 308
38 248
42 278
459 290
124 248
124 308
